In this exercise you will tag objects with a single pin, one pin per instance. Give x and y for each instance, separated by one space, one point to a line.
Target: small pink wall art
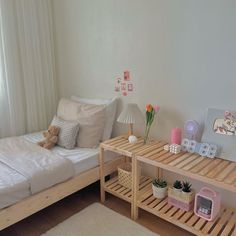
127 75
124 85
130 87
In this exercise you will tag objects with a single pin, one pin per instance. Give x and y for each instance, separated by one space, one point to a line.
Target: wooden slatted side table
218 172
121 146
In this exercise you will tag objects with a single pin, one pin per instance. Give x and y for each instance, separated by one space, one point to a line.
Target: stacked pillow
110 112
84 122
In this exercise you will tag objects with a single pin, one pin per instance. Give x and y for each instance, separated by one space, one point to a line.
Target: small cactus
187 187
177 184
159 183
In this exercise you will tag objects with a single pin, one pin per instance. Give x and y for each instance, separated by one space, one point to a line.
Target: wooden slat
117 142
128 145
231 177
179 214
156 151
154 203
171 158
165 208
221 176
186 161
181 158
160 155
193 163
199 224
201 165
147 148
215 171
149 200
229 226
186 216
110 141
161 204
210 166
221 224
171 212
210 224
192 220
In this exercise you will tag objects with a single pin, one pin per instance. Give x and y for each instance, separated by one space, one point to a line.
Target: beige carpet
98 220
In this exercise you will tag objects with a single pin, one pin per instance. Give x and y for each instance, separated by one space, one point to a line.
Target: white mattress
82 158
14 187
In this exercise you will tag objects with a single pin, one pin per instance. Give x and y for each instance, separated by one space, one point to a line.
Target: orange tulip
149 108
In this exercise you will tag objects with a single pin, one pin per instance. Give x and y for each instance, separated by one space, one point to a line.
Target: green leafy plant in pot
177 186
159 188
187 187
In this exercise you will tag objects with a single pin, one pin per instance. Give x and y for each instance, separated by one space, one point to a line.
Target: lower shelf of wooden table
223 225
112 186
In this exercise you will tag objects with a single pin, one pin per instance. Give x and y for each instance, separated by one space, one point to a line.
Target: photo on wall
220 129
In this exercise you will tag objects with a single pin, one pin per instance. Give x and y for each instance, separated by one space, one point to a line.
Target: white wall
181 54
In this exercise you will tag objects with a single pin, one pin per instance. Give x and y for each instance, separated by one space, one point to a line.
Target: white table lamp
131 115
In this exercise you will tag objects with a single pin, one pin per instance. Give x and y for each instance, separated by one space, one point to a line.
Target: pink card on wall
127 75
130 87
123 86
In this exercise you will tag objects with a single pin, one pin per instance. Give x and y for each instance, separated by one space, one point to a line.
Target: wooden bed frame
28 206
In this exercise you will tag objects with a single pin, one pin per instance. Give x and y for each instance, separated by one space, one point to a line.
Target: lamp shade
131 114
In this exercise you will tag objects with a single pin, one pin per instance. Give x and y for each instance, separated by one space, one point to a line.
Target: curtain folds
28 88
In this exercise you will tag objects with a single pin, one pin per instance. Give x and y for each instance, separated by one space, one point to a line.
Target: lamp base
133 139
130 130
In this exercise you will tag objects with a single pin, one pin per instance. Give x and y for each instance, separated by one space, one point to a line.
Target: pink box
181 205
207 204
180 199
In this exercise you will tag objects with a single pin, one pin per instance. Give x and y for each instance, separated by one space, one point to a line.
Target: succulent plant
177 184
186 187
159 183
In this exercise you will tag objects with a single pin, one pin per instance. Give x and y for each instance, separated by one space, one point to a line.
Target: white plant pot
189 193
159 193
177 189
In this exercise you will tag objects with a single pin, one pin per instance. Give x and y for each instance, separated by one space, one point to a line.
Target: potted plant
177 186
159 188
181 198
187 187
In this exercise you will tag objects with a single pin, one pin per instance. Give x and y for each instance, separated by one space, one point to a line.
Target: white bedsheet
82 158
15 187
41 167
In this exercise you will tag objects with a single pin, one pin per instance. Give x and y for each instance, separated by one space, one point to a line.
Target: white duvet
41 168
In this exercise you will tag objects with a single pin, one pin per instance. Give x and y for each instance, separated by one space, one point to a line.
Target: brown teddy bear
51 137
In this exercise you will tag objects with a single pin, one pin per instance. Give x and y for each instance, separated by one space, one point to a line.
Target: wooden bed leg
135 188
102 176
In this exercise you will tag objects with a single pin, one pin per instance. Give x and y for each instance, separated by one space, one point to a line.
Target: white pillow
68 132
91 118
68 110
111 105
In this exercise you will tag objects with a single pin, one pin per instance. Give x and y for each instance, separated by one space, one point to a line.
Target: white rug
98 220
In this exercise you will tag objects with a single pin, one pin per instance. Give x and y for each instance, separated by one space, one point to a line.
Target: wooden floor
51 216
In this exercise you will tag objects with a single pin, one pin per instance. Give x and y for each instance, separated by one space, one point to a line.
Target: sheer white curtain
28 90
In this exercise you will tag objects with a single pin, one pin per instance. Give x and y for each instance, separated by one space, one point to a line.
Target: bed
16 200
32 178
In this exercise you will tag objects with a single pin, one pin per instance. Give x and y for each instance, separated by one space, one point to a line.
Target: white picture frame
226 143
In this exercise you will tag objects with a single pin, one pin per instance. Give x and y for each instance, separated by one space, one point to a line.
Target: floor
51 216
